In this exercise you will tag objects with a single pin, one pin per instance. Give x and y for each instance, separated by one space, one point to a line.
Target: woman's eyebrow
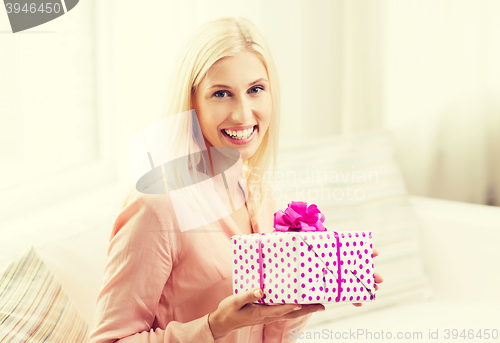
224 86
257 81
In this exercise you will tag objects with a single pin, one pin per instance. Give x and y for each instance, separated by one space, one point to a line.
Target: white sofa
459 243
461 252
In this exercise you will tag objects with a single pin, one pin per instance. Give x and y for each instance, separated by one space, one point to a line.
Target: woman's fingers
378 279
306 309
246 300
235 311
239 310
263 314
277 311
285 311
247 297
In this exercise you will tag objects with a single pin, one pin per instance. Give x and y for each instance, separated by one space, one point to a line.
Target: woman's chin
246 152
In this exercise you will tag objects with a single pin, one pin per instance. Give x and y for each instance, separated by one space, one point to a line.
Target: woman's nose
243 111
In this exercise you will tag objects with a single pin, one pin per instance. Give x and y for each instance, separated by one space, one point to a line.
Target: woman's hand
378 278
237 311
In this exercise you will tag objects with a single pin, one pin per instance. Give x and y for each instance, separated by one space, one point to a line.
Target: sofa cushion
357 184
34 307
78 262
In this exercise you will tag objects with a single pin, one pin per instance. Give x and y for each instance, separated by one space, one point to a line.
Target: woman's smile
242 135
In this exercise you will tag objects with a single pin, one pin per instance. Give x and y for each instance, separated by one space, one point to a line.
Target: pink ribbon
261 300
339 271
299 217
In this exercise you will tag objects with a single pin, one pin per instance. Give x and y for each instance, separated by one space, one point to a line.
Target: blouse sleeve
139 264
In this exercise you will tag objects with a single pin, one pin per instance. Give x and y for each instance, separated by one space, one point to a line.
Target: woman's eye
258 87
220 92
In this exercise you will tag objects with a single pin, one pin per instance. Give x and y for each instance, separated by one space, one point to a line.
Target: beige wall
441 95
426 70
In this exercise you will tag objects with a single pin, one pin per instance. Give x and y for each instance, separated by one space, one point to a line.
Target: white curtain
441 95
361 78
426 70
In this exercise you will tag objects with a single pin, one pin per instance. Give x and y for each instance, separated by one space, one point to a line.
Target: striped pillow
34 307
357 184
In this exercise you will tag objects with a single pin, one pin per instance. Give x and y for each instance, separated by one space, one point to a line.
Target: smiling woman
162 284
227 74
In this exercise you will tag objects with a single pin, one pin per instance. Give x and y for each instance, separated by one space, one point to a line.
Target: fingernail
297 308
322 309
257 293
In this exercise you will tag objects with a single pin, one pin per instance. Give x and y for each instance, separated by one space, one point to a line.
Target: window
56 110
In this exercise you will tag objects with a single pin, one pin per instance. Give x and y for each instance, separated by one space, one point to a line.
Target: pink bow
299 217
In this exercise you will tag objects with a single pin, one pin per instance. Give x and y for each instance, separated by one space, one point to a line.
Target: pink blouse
160 283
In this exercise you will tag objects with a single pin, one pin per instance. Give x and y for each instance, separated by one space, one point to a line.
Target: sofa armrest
460 245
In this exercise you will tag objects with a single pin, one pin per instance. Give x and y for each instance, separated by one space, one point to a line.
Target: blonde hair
216 39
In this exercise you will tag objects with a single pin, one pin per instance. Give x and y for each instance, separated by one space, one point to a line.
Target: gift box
302 262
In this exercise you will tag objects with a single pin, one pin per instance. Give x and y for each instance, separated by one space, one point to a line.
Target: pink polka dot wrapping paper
303 267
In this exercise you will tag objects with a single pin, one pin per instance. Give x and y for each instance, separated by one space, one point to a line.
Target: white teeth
239 134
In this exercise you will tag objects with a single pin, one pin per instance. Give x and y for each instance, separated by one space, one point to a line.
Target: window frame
25 199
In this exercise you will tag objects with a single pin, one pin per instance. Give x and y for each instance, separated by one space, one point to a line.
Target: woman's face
234 104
